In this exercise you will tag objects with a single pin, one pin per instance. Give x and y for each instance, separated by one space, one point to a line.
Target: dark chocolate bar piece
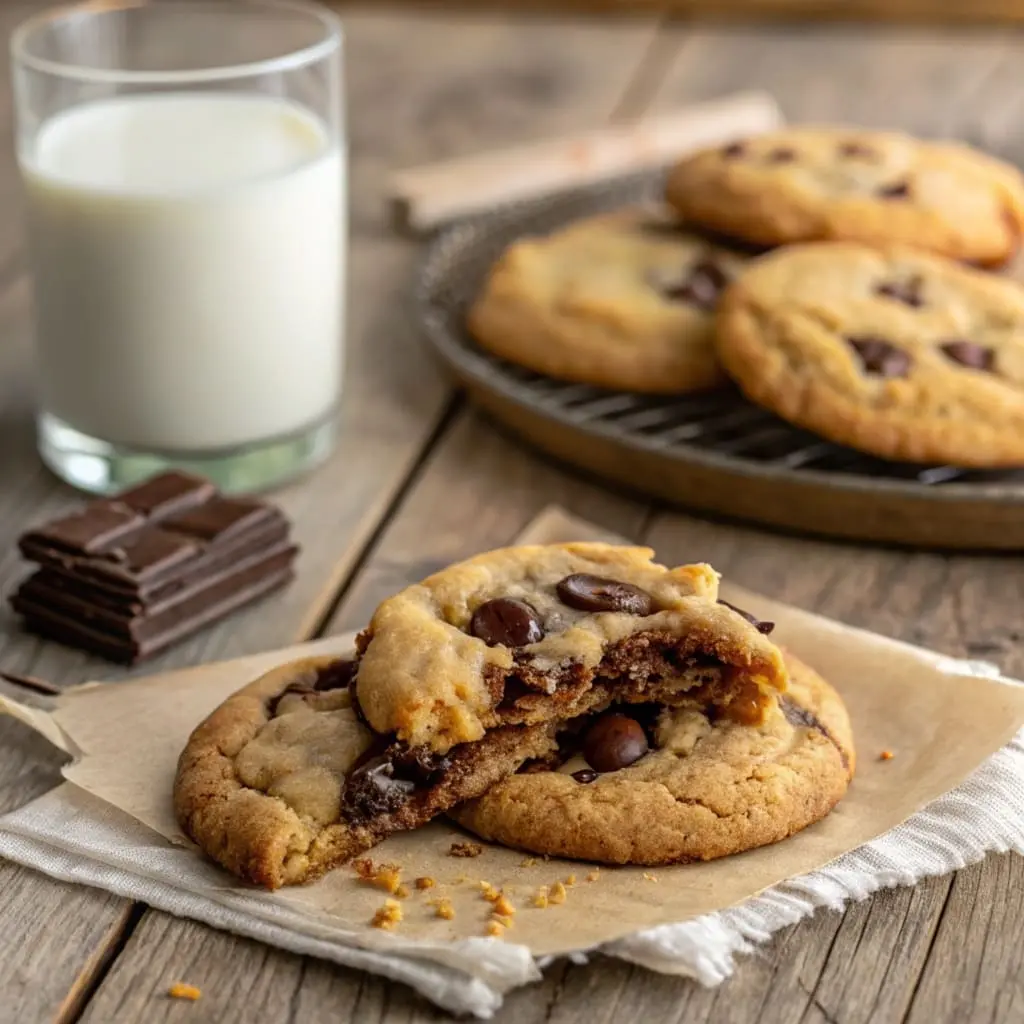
129 575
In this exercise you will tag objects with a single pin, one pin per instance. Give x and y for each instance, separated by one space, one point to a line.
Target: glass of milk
184 167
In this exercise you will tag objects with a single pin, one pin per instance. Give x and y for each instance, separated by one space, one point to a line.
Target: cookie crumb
886 755
557 894
424 882
528 862
384 876
388 915
495 929
402 892
648 877
504 906
503 919
443 908
465 850
179 990
570 879
540 898
593 876
488 892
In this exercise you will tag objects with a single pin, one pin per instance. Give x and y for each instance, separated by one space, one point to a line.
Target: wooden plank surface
431 86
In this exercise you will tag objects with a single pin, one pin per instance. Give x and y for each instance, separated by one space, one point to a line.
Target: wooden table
420 480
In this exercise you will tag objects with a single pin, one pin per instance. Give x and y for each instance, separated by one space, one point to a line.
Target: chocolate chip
373 788
733 150
506 622
589 593
896 190
797 715
614 742
969 354
856 149
701 287
907 292
387 776
761 627
585 776
335 676
782 155
879 357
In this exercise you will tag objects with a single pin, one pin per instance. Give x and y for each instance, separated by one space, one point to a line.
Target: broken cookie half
458 682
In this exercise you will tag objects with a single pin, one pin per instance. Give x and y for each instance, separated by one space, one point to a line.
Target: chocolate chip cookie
894 352
457 682
623 300
284 781
808 184
654 785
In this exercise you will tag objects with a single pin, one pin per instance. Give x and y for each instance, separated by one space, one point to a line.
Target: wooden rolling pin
426 197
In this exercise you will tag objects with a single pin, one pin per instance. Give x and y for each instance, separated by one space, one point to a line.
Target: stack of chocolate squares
127 576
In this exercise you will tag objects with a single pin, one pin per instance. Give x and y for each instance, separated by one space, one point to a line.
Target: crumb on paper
488 891
557 894
462 879
504 906
424 882
503 919
495 929
570 879
886 755
179 990
541 897
465 850
528 862
593 876
388 915
442 907
384 876
648 877
402 892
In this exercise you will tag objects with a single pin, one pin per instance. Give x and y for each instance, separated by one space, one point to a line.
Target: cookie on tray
661 786
807 184
622 300
458 681
894 352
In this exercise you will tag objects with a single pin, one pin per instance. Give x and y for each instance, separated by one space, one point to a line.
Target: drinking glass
185 178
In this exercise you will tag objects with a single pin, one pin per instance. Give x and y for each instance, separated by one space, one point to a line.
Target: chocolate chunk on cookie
623 300
707 787
806 184
889 350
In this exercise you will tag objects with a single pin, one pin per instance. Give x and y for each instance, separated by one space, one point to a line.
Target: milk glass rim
294 59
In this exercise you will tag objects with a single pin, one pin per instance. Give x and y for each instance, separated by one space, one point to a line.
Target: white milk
188 257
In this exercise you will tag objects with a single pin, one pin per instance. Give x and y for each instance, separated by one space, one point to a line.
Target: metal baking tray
713 452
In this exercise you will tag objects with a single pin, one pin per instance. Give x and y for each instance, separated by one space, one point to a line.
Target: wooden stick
425 197
33 683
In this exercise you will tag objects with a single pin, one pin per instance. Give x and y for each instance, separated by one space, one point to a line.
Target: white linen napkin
74 836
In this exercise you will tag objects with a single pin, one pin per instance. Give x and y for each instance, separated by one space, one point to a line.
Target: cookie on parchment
809 184
894 352
706 787
457 682
622 300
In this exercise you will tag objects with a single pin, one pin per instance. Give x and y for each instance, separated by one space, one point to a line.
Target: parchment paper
125 739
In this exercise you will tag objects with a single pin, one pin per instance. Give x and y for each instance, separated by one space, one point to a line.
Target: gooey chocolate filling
393 781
